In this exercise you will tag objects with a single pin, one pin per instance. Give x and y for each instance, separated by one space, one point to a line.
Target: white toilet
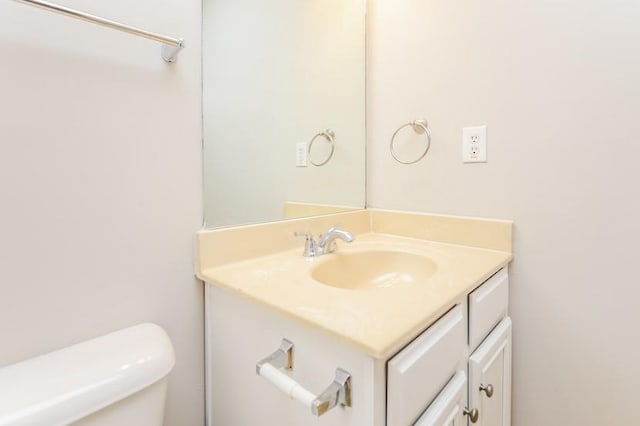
119 379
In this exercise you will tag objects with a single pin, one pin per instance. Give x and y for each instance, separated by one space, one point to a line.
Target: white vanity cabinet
443 377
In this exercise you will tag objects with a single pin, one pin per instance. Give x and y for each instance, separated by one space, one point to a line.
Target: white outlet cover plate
474 144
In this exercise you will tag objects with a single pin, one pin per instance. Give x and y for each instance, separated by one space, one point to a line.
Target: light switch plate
301 154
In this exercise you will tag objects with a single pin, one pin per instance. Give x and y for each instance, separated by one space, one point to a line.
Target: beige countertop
378 321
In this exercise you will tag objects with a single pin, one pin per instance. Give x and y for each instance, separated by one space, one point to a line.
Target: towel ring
420 127
330 137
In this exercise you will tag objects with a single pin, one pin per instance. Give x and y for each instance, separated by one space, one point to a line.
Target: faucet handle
306 234
310 245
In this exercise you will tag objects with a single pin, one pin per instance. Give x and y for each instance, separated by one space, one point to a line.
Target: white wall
275 74
558 85
100 184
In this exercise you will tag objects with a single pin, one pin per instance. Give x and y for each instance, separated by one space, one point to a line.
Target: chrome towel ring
418 126
330 137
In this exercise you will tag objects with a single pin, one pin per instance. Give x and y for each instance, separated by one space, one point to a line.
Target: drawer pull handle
273 367
473 414
487 390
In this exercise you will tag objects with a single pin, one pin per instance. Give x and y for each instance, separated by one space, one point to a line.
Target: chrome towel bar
170 50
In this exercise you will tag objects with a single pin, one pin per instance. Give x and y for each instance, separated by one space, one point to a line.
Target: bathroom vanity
415 311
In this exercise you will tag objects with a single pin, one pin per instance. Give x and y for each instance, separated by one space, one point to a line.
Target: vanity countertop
378 321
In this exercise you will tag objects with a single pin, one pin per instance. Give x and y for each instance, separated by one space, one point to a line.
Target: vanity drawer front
488 306
420 371
447 408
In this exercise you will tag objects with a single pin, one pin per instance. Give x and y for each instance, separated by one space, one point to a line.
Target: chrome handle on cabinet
488 390
473 414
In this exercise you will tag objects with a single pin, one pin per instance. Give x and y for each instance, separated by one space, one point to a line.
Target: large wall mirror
276 75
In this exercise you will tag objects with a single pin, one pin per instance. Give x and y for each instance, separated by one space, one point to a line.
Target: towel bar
171 46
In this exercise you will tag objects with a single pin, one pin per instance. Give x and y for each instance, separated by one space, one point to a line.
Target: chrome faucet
326 243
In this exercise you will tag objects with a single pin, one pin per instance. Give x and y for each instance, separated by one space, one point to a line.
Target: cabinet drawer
487 306
447 408
420 371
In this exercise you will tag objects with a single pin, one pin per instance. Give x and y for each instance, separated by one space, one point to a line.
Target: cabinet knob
488 389
473 414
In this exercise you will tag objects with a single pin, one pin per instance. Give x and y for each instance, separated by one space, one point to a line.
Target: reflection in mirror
278 74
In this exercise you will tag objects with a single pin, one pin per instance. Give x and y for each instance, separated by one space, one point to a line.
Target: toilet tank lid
63 386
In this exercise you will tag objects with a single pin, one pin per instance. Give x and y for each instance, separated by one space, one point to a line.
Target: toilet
118 379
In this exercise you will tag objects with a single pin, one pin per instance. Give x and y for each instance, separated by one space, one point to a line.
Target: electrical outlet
301 154
474 144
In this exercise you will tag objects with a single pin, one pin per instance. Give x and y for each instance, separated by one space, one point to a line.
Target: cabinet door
490 374
447 408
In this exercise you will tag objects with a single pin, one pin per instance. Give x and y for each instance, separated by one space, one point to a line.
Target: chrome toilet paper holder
273 368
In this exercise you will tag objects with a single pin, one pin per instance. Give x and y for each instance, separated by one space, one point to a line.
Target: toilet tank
116 379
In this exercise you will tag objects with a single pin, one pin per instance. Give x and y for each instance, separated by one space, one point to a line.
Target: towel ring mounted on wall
418 126
330 137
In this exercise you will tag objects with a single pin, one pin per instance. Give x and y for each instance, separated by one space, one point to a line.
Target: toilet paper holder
273 368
